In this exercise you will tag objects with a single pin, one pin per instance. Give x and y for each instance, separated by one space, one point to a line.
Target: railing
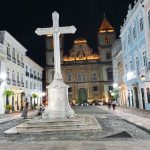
14 59
14 82
35 77
31 75
18 83
9 57
22 65
8 81
27 74
22 84
18 62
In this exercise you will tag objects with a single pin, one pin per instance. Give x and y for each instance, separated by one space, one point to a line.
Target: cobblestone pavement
114 128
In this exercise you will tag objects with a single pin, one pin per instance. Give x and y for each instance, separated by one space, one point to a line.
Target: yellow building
88 73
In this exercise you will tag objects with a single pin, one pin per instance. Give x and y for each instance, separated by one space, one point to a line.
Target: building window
149 18
109 74
137 62
17 76
79 78
69 77
144 59
30 85
7 73
129 39
18 57
134 33
34 86
110 88
148 95
94 76
107 39
141 24
13 75
108 55
131 65
70 89
8 49
83 77
13 53
95 88
26 84
22 77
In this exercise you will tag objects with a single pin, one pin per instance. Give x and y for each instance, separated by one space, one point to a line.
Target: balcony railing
27 74
31 75
9 57
18 62
22 65
18 83
8 81
14 59
22 84
14 82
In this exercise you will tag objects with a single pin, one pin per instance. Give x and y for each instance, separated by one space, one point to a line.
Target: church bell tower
106 38
50 57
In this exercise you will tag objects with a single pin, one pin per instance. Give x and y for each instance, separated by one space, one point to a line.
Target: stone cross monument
58 104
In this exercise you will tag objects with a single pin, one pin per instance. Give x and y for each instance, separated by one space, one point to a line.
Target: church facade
89 74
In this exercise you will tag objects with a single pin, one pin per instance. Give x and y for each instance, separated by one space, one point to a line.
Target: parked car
100 103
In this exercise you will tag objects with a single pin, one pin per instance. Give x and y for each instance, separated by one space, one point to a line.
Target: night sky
21 17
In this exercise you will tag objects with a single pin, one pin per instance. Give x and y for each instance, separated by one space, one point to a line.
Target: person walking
114 103
109 104
25 110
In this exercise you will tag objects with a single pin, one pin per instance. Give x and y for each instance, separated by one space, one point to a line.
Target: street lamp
142 77
115 85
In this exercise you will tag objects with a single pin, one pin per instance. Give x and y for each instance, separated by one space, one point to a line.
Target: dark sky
21 17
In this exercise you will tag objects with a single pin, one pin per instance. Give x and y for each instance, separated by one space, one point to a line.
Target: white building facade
118 72
13 65
135 53
33 82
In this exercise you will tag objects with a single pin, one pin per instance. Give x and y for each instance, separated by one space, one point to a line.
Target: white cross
56 31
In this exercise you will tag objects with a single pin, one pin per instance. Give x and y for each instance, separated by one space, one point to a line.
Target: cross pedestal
58 104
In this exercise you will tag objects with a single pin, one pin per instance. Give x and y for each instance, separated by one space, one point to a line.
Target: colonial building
13 64
89 74
135 51
118 72
2 82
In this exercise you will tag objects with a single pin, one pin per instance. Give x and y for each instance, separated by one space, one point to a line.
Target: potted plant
8 107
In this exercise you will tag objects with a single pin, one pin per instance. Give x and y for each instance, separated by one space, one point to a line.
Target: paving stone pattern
113 128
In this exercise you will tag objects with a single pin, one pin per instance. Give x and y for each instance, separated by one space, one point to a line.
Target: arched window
109 73
149 18
8 49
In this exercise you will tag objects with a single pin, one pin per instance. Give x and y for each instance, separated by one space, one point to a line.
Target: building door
136 97
82 96
129 97
132 98
143 101
12 103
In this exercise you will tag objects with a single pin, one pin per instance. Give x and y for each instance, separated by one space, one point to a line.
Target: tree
34 95
8 93
115 94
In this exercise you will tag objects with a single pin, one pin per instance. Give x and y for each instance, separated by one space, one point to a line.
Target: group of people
112 104
25 110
